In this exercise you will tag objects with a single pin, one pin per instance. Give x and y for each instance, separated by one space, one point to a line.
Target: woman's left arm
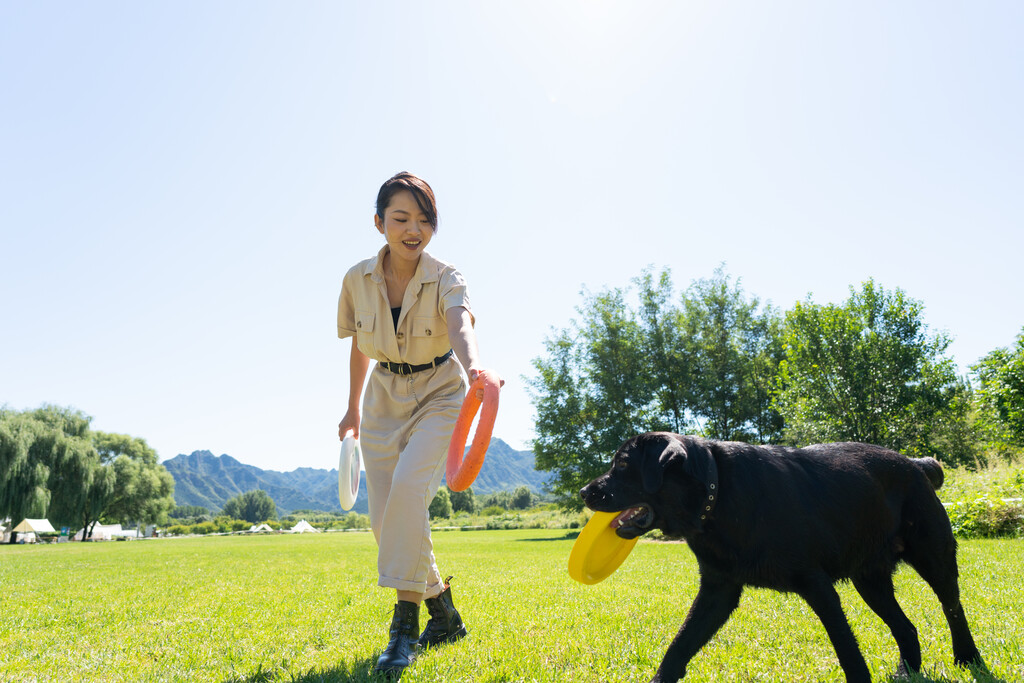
463 339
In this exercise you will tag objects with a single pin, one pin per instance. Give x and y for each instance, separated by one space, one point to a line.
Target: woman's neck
397 275
400 269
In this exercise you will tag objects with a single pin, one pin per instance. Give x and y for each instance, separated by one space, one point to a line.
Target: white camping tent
31 527
302 527
260 527
104 532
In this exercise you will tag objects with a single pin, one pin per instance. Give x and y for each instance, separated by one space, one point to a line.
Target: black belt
406 369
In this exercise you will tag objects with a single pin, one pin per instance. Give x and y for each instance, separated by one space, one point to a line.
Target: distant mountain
208 480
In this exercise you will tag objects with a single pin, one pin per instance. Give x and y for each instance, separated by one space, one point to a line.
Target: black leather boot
401 649
445 625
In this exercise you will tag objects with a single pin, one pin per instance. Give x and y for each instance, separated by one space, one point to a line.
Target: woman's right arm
358 366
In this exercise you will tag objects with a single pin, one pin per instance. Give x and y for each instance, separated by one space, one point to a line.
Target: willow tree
23 475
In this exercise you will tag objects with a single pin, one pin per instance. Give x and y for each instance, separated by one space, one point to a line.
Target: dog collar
712 489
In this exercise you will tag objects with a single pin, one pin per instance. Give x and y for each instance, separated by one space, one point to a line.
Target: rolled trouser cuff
413 586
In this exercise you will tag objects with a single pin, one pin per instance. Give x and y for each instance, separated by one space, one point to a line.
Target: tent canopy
34 525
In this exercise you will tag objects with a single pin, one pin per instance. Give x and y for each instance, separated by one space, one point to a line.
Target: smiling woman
410 312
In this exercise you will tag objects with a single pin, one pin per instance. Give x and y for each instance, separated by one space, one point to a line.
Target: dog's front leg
716 599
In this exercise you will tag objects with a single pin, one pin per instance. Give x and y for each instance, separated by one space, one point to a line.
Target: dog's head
657 480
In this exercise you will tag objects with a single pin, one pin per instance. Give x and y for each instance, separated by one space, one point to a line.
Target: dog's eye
620 464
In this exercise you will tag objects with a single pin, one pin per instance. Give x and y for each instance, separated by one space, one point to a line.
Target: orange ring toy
461 473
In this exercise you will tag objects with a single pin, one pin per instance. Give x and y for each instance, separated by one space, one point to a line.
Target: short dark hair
420 190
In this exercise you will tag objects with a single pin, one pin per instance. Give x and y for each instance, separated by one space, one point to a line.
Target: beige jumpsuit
407 420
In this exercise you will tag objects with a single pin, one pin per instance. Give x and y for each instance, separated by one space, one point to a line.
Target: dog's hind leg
711 608
938 568
878 593
820 594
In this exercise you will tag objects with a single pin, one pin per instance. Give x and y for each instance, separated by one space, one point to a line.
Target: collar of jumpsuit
426 320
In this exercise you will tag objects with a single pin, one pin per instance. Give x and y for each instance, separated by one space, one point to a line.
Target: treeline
447 502
53 466
243 511
716 362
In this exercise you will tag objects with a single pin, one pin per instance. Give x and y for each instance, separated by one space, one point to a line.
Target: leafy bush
987 502
986 518
353 520
189 514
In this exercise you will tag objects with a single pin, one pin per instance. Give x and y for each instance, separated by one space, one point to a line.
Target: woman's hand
349 423
475 372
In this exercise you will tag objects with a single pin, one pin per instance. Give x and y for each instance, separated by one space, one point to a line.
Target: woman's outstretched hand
475 372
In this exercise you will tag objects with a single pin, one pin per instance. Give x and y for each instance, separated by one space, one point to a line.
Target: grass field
306 608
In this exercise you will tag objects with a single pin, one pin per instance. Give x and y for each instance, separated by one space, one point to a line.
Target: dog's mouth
633 522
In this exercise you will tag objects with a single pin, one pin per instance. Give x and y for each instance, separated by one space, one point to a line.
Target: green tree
441 506
869 371
57 442
706 364
144 491
521 498
78 481
733 349
463 501
502 499
1000 397
23 476
192 514
53 465
592 389
253 506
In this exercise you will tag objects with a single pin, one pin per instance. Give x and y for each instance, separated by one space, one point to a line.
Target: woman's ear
379 223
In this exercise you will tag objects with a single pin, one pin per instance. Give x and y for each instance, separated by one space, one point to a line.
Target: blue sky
183 185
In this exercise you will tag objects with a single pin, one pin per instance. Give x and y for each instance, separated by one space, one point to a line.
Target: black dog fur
795 520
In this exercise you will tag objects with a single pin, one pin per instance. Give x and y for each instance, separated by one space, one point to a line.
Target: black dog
793 520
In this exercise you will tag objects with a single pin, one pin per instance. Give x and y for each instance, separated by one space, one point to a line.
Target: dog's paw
660 677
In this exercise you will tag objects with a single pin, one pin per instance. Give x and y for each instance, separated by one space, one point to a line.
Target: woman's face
405 227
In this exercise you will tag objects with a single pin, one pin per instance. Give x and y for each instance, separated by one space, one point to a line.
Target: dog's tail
933 470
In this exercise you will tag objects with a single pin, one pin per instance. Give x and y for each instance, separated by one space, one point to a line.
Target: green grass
307 608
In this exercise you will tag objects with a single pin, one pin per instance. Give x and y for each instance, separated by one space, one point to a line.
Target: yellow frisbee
598 550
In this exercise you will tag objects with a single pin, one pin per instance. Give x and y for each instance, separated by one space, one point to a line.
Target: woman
409 312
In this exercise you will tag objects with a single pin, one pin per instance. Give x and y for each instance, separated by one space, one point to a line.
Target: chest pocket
364 321
429 327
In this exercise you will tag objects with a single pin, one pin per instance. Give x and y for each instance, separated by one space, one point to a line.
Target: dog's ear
700 464
659 451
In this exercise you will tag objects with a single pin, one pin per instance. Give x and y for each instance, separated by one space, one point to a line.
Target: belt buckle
404 369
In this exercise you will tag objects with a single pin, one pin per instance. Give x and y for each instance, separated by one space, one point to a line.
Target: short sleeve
452 292
346 306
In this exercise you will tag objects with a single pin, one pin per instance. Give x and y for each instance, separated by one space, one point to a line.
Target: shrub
441 506
986 518
353 520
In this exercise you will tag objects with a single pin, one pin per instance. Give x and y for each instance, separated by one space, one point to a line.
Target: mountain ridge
202 478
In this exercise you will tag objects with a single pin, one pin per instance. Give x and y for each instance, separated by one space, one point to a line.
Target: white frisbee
348 471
